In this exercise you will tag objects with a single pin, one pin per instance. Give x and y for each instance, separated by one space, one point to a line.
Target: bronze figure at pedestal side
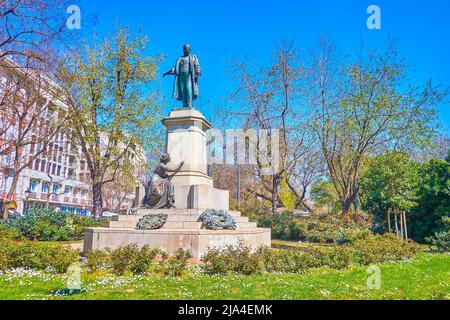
159 194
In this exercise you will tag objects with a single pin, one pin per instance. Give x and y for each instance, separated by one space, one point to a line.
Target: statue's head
186 50
165 158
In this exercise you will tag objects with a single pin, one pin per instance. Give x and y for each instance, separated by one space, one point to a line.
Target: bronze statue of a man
187 72
159 193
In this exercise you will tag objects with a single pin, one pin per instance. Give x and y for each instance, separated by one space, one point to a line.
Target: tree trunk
346 205
389 220
401 225
11 192
395 221
97 199
274 195
406 225
307 206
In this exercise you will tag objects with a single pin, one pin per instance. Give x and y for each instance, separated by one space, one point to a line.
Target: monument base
194 193
182 230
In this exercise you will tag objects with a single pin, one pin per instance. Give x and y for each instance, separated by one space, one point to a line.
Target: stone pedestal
182 229
186 141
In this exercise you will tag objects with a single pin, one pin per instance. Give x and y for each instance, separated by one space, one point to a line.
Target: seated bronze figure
159 193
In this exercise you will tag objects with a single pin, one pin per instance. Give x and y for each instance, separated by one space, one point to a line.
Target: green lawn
427 277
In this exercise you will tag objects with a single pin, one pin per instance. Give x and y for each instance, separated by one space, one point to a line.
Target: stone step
199 225
143 212
172 218
173 225
246 225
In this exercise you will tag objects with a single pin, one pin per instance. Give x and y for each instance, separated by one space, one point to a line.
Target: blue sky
222 30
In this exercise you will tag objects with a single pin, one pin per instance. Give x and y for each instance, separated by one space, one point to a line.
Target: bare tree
359 108
35 116
33 29
272 96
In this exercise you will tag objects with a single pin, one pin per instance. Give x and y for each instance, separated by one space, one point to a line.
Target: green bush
7 233
122 258
132 259
34 255
144 260
284 261
138 261
441 240
382 248
46 224
3 261
344 236
363 251
241 260
97 259
315 228
232 259
176 265
215 261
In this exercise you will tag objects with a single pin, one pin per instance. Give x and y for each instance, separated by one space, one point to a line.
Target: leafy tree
389 184
325 197
114 106
434 199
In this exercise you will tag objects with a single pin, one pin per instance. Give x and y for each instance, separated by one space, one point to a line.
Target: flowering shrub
315 229
138 261
377 248
241 260
7 233
232 259
35 255
175 265
96 260
50 225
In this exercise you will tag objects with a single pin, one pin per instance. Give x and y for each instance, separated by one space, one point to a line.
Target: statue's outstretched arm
177 169
171 72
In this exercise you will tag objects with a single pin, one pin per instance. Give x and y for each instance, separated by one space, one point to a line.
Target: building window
59 171
54 169
67 191
45 187
72 174
56 188
33 185
43 165
36 164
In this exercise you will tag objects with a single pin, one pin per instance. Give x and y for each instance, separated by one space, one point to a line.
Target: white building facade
56 178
